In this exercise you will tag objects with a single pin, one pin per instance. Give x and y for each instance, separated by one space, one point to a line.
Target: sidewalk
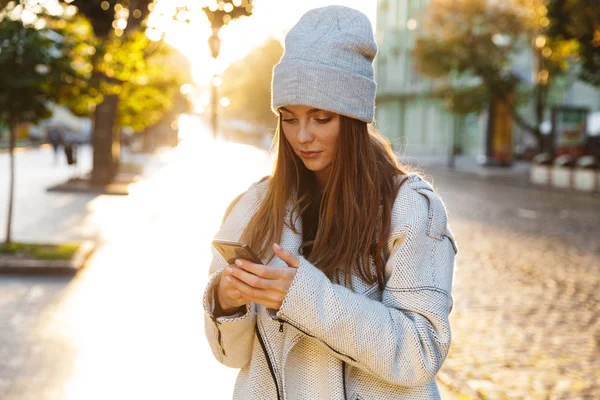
41 216
516 175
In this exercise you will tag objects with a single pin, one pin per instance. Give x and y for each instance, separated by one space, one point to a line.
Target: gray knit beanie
328 64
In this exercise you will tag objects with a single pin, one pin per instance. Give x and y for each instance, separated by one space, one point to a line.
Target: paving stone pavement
526 320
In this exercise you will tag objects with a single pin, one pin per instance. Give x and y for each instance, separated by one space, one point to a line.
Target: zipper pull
280 326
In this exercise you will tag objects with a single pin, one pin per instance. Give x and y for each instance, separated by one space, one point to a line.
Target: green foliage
575 24
37 67
464 100
102 18
247 84
462 37
80 97
150 82
39 251
128 64
69 64
143 104
470 39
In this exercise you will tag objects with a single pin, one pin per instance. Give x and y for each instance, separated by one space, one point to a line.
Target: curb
49 267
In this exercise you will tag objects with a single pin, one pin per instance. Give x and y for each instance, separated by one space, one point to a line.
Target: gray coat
330 342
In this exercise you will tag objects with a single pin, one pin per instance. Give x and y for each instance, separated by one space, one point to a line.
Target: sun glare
271 18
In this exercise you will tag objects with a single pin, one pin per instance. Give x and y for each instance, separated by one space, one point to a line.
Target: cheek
288 134
290 138
333 137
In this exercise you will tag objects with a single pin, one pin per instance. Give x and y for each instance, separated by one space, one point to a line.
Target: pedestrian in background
56 139
353 298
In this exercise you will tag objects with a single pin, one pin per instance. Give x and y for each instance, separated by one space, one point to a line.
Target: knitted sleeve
230 337
405 337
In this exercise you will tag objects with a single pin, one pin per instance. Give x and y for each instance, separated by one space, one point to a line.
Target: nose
304 136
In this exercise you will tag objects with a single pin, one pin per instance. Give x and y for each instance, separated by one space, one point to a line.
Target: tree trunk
105 141
11 148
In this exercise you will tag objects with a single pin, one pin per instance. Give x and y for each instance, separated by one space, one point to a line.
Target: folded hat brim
302 83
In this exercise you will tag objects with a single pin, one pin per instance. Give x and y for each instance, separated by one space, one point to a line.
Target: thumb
286 256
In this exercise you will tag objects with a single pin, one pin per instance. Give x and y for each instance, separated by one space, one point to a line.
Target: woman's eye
322 120
289 120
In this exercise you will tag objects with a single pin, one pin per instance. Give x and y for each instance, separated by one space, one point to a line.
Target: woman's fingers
263 271
267 298
263 284
286 256
228 282
229 295
280 277
252 279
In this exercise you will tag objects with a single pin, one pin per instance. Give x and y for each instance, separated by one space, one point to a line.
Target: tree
149 93
575 24
56 59
478 39
38 67
119 54
247 84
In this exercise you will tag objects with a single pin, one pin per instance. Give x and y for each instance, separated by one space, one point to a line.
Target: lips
310 154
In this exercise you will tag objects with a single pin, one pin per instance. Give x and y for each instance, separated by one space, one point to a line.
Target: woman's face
314 135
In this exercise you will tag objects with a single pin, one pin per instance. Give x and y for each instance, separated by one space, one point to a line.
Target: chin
314 167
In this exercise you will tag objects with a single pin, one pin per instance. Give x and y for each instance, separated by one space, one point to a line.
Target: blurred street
526 319
525 324
130 324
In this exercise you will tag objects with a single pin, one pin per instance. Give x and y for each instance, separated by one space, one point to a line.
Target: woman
352 301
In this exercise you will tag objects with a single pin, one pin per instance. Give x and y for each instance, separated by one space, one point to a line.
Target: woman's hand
263 284
228 297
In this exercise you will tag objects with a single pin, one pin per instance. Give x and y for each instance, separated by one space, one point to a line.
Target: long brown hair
354 207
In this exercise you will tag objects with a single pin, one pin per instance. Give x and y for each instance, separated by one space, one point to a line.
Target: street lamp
214 95
214 42
220 13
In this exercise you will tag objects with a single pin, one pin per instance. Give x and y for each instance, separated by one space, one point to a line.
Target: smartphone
234 250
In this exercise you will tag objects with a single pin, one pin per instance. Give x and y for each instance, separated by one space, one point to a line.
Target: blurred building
414 121
406 112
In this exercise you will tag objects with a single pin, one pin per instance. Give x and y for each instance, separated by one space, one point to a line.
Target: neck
322 177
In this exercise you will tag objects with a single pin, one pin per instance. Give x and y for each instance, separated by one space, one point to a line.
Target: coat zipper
308 334
262 345
344 379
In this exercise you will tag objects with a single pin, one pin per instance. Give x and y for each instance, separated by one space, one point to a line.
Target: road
525 322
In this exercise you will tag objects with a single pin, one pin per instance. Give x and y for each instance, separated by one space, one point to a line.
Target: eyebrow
311 111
